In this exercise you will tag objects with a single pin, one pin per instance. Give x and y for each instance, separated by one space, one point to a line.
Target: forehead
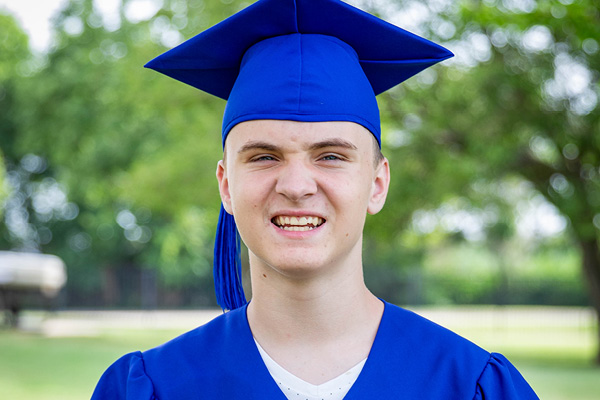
285 133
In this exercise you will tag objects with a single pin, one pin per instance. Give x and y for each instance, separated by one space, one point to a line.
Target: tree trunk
591 269
110 288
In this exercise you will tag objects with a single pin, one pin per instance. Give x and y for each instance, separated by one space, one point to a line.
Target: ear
379 189
224 186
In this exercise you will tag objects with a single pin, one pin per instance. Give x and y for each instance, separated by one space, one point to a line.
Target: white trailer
24 273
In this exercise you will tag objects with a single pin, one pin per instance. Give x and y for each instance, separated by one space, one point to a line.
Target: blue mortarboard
300 60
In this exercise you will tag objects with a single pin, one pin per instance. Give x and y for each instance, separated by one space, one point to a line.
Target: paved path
90 323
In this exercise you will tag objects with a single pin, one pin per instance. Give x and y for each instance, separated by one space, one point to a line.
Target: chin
295 266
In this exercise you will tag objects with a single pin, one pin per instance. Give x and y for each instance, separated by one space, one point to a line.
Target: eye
263 158
331 157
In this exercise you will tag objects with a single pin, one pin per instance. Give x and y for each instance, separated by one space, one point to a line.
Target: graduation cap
300 60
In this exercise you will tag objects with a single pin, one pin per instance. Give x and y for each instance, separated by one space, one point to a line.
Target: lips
297 223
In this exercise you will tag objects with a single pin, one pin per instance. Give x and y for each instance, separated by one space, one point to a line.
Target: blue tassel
227 265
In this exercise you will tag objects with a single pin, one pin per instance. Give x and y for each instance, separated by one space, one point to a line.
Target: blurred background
491 226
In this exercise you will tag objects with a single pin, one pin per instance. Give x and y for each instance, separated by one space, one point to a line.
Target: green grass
557 361
36 367
555 382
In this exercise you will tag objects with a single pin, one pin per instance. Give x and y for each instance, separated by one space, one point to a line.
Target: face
300 192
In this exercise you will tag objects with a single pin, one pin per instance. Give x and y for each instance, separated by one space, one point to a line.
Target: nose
296 181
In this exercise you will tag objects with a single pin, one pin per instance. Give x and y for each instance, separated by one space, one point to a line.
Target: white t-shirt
295 388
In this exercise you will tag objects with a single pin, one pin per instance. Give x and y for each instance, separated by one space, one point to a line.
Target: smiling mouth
297 224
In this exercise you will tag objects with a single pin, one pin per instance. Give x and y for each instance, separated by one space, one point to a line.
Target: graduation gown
411 358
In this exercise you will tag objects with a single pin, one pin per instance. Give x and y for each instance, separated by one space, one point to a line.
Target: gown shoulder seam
487 364
140 354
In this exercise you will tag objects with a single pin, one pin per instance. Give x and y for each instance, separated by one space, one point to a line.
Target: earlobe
379 191
224 186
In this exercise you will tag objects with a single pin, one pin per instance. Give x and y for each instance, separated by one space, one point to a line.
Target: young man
300 171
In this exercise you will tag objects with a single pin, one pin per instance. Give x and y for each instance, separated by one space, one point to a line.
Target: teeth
298 224
297 228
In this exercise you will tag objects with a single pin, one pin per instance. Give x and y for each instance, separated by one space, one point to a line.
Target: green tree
116 142
13 53
520 99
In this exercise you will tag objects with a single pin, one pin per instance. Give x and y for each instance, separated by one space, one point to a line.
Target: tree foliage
519 100
13 49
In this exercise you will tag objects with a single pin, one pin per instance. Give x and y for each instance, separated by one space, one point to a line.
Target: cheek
248 196
350 197
354 188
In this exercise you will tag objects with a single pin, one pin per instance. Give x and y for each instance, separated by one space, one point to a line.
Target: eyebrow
260 145
333 143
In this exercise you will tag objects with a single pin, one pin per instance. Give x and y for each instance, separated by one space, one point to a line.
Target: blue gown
411 358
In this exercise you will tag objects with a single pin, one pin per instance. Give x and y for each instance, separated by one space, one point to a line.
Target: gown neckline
362 379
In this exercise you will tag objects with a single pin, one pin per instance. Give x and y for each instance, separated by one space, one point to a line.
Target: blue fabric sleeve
500 380
125 379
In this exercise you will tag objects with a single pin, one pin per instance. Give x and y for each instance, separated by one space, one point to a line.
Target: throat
307 344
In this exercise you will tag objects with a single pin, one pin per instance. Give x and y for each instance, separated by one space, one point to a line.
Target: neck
318 307
318 326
